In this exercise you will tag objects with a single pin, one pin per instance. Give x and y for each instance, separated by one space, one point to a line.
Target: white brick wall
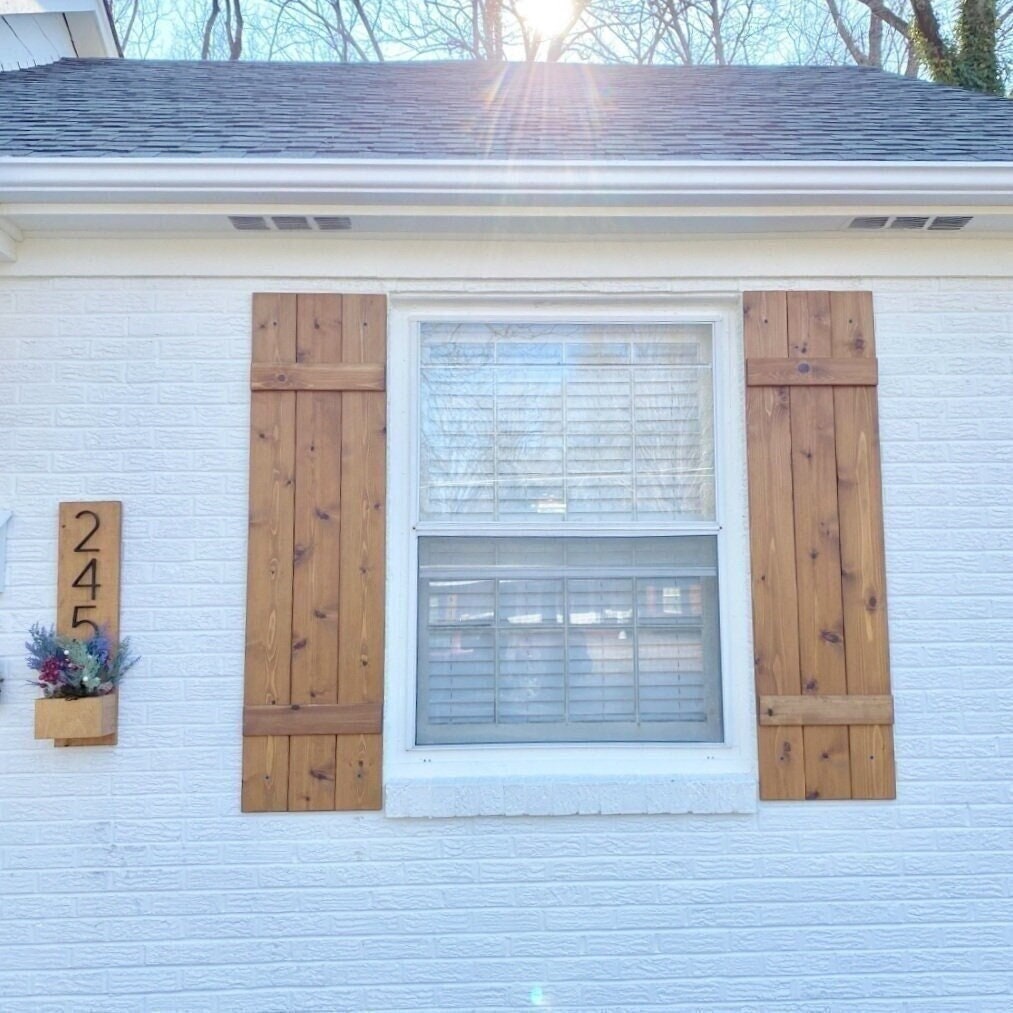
130 882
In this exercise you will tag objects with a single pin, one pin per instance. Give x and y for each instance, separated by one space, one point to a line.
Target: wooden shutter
315 599
816 531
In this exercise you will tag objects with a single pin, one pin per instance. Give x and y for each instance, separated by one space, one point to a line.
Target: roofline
90 23
471 181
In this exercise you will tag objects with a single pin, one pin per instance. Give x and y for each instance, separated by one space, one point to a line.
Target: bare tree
137 25
231 25
345 30
974 48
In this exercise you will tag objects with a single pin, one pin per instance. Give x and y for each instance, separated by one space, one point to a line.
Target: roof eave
224 181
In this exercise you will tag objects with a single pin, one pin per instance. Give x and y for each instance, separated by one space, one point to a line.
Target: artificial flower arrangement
70 668
78 679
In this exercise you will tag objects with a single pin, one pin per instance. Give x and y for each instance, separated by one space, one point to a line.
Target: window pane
567 639
548 422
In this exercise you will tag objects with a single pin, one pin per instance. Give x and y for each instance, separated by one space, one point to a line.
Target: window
567 556
568 546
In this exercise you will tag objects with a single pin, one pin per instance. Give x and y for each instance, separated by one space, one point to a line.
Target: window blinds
544 423
562 639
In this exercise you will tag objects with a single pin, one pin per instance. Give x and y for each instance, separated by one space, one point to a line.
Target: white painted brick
136 389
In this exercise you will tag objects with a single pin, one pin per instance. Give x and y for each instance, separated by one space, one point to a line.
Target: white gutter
394 181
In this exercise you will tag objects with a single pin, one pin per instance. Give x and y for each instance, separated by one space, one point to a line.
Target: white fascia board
51 6
477 183
88 20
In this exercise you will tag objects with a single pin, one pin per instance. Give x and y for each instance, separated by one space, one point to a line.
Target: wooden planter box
77 722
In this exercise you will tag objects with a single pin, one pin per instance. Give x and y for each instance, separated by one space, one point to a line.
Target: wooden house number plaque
88 577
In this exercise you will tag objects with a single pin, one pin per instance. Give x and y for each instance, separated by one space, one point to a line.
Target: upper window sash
533 425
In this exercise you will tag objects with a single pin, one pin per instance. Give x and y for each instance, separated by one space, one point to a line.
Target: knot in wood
804 367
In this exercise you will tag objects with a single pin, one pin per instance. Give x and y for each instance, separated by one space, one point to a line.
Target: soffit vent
910 223
949 223
249 223
332 223
290 223
869 224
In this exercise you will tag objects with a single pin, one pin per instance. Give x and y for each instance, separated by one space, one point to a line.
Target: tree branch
895 21
855 51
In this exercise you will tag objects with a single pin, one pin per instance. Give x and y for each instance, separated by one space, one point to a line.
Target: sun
546 18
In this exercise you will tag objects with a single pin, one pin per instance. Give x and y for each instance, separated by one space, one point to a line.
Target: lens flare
546 18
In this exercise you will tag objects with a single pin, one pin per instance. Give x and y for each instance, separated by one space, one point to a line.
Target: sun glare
546 18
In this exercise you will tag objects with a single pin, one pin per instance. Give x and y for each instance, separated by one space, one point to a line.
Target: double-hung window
565 531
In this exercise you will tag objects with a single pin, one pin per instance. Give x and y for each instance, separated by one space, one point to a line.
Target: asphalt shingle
457 110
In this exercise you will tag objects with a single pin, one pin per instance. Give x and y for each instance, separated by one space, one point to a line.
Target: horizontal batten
811 372
314 719
826 710
293 376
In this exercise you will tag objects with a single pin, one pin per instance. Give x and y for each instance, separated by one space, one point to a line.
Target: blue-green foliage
72 668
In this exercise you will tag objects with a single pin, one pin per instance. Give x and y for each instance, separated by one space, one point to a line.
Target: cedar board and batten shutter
816 532
312 714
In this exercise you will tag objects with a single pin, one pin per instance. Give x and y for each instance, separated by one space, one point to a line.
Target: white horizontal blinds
557 639
548 422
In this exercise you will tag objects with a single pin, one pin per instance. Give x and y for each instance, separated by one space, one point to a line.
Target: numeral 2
82 545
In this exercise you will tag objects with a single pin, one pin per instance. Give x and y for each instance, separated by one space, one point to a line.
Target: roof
482 111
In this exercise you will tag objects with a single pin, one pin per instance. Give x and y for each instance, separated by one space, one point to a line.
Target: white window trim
562 778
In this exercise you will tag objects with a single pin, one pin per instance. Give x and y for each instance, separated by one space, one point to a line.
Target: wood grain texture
271 536
103 546
77 722
817 546
772 547
826 710
841 707
320 377
316 556
89 554
863 553
811 372
314 720
363 521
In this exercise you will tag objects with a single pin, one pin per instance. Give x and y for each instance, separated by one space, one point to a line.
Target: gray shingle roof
95 108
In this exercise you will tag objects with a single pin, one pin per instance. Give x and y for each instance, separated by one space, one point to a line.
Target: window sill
716 794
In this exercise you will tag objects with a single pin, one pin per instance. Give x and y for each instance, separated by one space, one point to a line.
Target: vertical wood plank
772 547
363 479
863 560
817 546
312 758
269 584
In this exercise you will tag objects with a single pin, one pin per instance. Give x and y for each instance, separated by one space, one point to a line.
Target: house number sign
88 577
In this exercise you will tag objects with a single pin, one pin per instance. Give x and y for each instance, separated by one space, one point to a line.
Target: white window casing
569 771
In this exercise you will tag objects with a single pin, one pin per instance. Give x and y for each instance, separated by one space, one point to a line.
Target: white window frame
440 780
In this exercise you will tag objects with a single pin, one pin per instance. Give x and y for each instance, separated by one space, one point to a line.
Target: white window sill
569 796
